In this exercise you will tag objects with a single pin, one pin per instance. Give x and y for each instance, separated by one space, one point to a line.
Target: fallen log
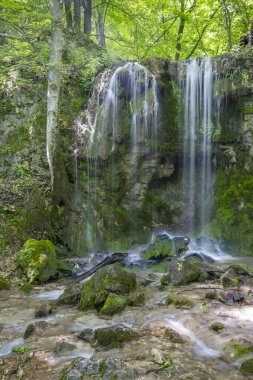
112 259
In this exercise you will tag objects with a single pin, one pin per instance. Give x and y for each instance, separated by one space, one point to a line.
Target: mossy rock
240 269
136 298
247 366
114 304
185 272
71 295
173 336
110 279
38 260
229 279
113 337
218 327
165 280
179 302
65 267
4 284
241 347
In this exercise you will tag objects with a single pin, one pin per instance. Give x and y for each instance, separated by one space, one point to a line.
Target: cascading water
124 112
197 169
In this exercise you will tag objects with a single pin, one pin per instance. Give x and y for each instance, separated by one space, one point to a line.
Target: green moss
136 298
165 280
111 279
173 336
4 284
26 288
233 206
240 268
229 279
20 349
159 250
218 327
38 260
247 366
241 347
212 295
71 295
179 302
114 304
113 337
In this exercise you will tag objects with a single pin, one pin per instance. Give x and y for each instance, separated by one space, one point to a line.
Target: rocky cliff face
114 197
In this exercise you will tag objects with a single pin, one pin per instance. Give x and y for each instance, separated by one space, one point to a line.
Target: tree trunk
180 32
2 31
100 30
68 14
54 81
77 14
87 6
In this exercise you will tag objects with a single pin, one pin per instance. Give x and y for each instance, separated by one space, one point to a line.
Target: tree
87 6
68 14
54 81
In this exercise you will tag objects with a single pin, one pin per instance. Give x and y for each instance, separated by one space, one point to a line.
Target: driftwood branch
115 258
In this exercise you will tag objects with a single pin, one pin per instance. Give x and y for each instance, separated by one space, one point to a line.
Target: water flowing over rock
197 169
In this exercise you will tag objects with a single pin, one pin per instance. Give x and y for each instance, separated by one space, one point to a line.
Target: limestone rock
43 310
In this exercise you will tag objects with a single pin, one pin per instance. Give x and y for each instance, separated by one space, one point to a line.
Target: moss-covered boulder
4 284
184 272
110 279
217 327
179 302
114 304
163 246
240 346
38 260
173 336
247 366
229 279
113 336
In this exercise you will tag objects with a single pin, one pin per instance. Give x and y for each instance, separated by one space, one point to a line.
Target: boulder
71 295
162 246
110 279
229 298
229 279
43 310
114 304
36 328
108 337
247 366
38 260
184 272
63 346
218 327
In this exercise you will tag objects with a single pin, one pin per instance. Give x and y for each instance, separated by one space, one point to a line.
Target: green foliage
212 295
240 347
218 327
233 221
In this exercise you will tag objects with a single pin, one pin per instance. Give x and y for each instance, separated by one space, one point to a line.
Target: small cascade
197 167
134 87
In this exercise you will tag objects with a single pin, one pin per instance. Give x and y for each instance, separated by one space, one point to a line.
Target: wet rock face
4 284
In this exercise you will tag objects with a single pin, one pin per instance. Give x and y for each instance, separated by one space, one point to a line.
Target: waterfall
197 150
124 112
